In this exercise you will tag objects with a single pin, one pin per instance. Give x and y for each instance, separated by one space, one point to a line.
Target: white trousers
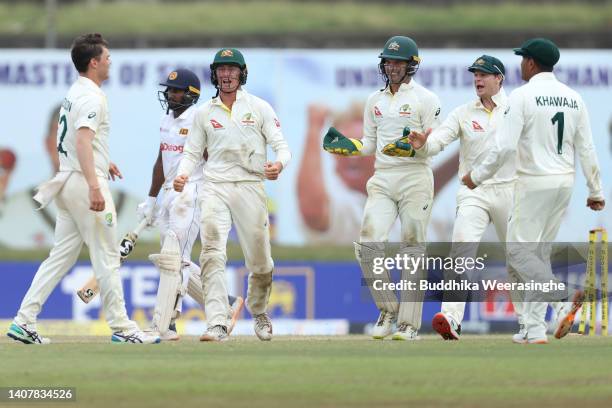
406 192
538 208
244 204
77 224
476 209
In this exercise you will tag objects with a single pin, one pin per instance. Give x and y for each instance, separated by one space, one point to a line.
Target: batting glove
146 210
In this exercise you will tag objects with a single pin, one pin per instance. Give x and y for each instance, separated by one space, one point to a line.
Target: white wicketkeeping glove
146 210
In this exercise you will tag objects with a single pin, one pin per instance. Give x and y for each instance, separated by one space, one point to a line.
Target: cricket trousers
488 203
538 208
77 224
243 203
406 192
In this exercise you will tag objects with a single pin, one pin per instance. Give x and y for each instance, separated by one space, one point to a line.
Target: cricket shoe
215 333
235 310
27 336
521 336
168 335
566 318
542 339
135 337
384 325
446 326
263 326
406 332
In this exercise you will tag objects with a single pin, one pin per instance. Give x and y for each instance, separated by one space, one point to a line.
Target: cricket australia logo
247 120
394 46
405 110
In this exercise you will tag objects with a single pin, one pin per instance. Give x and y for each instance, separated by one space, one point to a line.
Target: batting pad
170 280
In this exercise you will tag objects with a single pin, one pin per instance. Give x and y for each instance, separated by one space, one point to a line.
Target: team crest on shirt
183 131
277 123
405 110
216 125
247 120
476 127
377 112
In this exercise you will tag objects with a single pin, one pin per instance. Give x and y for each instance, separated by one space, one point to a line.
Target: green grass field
258 16
478 371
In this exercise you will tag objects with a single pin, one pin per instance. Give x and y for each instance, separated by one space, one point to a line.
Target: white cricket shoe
567 314
168 335
135 337
406 332
541 339
25 335
263 327
234 313
215 333
446 326
521 336
384 325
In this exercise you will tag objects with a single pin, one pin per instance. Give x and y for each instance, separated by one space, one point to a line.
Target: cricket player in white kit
474 124
547 124
402 184
235 128
86 212
178 214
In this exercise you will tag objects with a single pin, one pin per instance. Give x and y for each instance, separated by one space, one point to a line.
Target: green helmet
228 56
400 48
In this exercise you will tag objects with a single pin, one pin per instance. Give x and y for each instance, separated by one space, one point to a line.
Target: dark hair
86 47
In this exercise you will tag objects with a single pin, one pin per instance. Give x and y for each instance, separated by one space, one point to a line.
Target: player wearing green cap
546 125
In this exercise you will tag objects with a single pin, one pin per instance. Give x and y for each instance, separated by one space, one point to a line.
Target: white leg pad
194 287
168 261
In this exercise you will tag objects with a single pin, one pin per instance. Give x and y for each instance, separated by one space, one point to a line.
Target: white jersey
236 140
475 127
173 134
84 106
386 115
548 124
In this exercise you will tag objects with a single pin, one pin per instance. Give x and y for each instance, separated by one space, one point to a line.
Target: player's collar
403 87
500 99
543 76
241 93
88 83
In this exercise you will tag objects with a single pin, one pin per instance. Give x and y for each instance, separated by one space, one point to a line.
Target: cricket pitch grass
349 371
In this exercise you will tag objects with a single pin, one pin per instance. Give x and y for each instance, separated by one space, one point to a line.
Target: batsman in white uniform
546 124
474 124
402 184
235 128
86 212
178 214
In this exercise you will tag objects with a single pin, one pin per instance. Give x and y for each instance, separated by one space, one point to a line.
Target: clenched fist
179 182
